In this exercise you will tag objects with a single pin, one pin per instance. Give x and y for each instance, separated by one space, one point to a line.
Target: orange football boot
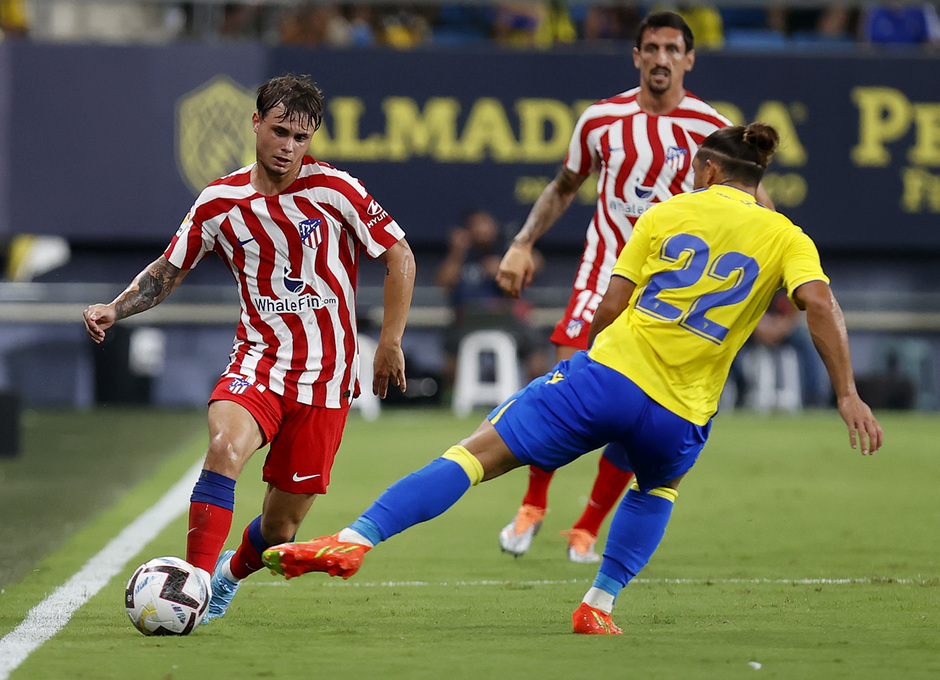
326 553
590 621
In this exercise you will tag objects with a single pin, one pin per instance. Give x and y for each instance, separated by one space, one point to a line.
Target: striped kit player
640 159
641 144
292 231
295 258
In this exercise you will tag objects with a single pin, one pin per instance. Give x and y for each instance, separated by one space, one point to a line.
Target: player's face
662 59
281 142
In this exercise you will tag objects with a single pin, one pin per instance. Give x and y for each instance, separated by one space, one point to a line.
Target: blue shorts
580 406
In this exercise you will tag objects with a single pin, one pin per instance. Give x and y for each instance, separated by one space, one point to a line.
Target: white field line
49 616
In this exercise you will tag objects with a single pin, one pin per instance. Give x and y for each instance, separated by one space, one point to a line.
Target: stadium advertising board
141 129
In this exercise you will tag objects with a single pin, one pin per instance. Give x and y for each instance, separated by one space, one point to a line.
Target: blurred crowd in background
524 24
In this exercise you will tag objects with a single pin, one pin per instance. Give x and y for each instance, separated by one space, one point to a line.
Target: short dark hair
301 98
665 20
742 152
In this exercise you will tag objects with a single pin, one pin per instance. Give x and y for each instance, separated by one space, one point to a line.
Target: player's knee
225 456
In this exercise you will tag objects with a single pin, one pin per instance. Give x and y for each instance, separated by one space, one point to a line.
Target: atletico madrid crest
575 326
676 157
239 385
310 232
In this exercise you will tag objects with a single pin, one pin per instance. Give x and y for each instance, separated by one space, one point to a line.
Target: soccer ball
166 596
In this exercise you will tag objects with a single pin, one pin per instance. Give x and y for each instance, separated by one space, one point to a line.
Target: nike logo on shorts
298 478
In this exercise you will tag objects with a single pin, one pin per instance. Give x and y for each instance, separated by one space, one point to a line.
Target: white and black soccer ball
166 596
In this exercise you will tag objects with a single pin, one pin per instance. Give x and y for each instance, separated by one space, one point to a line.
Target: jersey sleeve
801 263
373 227
192 241
582 156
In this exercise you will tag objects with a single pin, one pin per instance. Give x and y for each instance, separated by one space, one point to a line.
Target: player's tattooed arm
518 265
149 288
550 205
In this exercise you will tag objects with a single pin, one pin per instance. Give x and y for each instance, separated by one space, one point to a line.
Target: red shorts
572 330
304 439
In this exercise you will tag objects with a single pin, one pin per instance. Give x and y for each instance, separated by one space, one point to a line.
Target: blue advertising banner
138 131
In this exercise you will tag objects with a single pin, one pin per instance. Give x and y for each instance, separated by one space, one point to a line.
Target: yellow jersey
706 265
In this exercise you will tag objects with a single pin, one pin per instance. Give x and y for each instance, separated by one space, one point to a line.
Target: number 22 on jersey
693 256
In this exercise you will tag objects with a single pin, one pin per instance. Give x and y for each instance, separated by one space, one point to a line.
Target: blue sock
367 529
214 489
635 532
416 498
254 535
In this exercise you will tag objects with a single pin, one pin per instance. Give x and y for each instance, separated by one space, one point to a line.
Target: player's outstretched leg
415 498
223 588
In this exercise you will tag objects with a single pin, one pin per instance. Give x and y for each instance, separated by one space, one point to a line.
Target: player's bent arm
827 327
518 264
616 299
399 287
148 289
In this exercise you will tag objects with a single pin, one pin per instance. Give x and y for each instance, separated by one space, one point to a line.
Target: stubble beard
659 89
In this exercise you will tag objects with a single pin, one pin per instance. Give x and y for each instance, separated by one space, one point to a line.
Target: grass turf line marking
49 616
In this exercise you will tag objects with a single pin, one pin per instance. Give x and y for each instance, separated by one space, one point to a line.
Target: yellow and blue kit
706 265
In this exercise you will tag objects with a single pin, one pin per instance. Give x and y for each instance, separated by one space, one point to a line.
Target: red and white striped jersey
641 159
295 257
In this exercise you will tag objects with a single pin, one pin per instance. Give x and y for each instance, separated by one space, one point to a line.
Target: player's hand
98 319
864 430
516 270
388 367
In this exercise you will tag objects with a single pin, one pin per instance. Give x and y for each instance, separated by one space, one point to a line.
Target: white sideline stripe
664 581
49 616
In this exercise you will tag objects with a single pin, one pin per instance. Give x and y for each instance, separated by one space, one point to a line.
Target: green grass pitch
786 548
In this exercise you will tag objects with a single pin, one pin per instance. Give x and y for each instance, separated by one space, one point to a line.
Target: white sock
599 599
226 570
348 535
